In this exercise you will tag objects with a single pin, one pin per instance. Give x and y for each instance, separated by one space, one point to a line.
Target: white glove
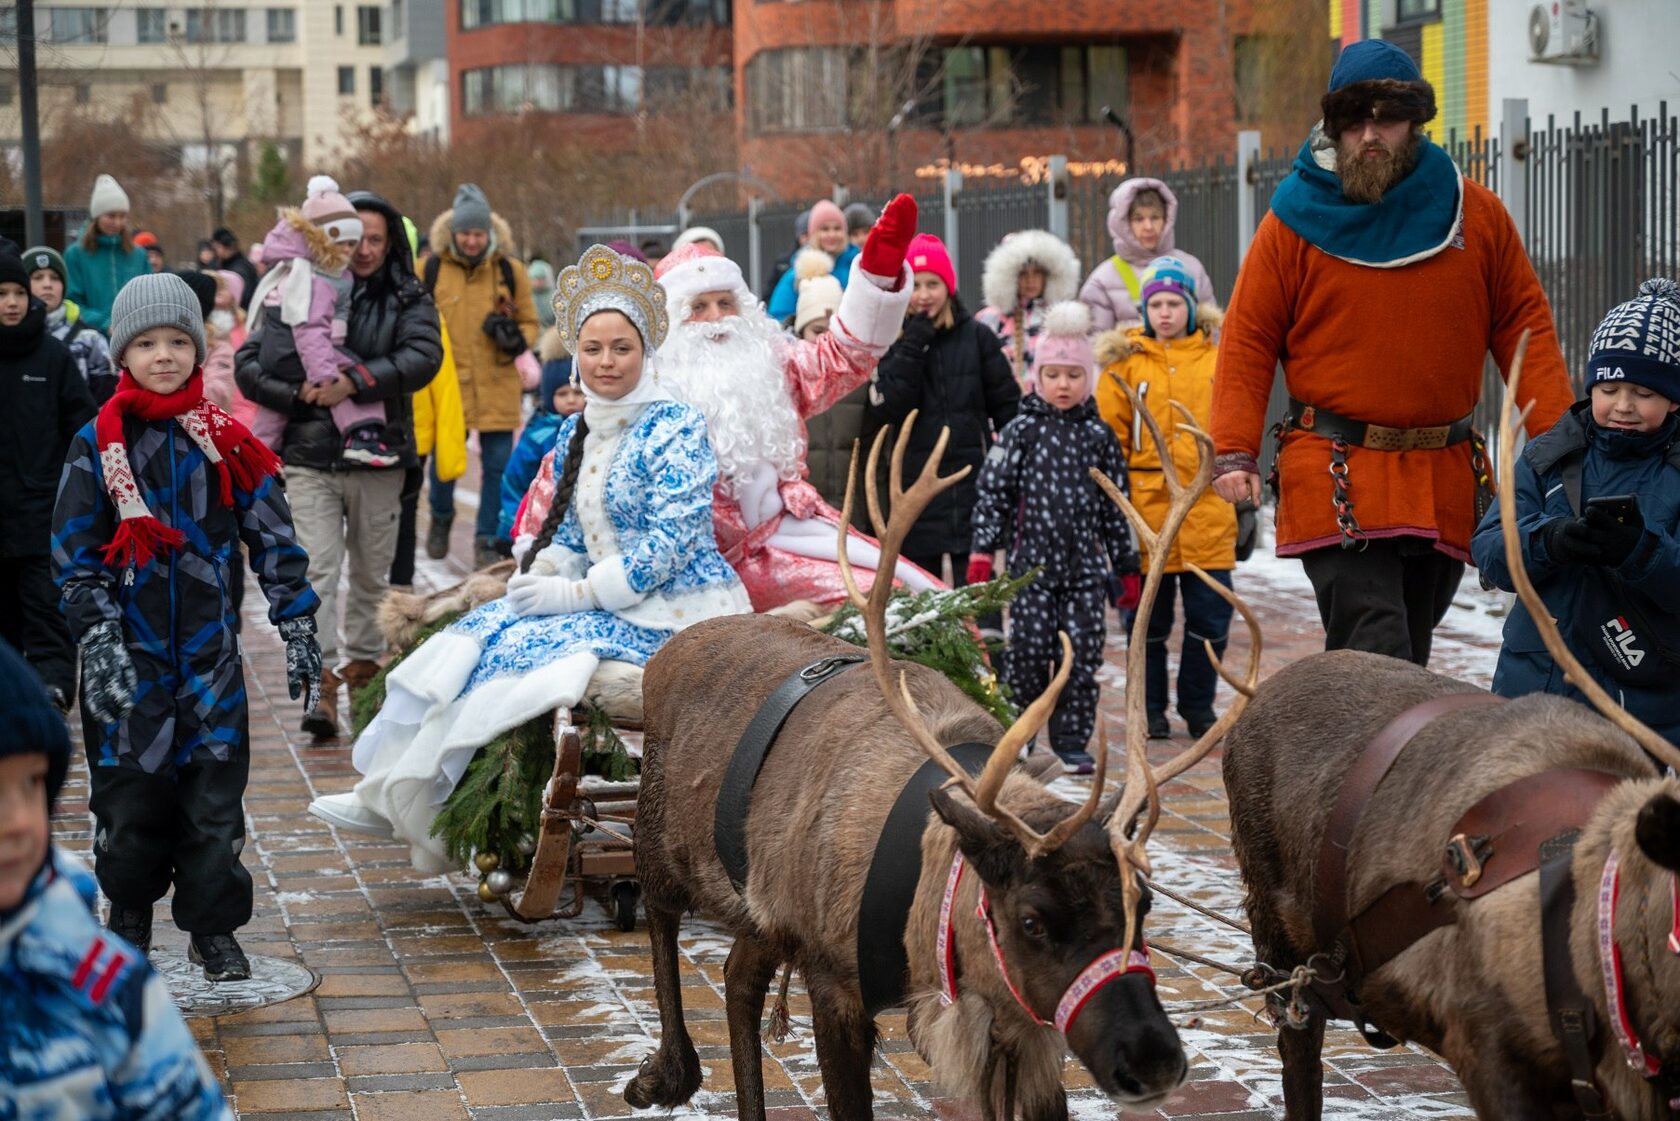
531 594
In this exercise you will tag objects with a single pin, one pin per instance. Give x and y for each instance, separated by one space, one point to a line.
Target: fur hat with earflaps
1375 79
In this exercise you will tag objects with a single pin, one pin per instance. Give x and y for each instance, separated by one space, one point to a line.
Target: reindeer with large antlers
1390 823
1036 950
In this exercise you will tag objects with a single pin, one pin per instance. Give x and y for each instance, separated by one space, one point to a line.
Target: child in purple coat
302 310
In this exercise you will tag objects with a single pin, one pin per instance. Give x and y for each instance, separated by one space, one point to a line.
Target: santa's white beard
731 370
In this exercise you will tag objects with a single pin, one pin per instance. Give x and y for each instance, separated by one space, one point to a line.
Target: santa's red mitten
883 252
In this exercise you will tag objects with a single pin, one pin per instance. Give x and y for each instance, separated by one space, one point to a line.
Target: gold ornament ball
487 862
485 892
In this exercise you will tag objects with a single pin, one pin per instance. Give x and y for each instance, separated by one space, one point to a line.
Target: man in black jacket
342 509
232 258
43 401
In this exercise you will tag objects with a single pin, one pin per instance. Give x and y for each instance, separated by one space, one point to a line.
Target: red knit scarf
240 460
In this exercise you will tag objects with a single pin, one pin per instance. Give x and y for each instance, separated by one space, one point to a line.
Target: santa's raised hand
884 250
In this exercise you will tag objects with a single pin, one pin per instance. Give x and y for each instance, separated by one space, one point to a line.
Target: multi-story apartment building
417 81
213 81
866 92
593 64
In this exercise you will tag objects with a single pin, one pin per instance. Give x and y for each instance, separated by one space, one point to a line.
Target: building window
5 93
282 25
8 23
801 89
1405 10
215 25
708 88
347 81
77 25
398 20
84 93
688 13
152 24
485 13
1031 85
367 25
160 93
552 89
338 19
376 86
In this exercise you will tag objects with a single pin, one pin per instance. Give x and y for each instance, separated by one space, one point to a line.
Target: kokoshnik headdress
605 281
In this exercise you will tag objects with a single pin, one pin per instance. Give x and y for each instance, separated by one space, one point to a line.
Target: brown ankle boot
322 721
358 673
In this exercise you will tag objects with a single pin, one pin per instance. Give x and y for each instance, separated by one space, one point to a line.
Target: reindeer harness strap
729 821
1110 966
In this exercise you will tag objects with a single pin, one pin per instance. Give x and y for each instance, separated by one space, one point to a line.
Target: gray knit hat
472 209
158 299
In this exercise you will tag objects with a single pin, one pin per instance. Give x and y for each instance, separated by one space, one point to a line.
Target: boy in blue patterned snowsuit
87 1030
156 494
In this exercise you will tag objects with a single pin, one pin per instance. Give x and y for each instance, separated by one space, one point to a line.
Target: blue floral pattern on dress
658 499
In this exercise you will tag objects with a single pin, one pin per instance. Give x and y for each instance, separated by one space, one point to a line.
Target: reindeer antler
1543 621
907 506
1142 781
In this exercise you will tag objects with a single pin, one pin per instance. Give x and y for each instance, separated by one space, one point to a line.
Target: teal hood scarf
1416 219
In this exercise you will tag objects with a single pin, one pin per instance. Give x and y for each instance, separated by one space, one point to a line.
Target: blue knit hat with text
1639 341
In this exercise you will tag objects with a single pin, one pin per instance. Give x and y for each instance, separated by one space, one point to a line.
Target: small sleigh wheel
626 896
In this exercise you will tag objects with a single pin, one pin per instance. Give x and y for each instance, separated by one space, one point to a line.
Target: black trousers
185 825
1207 615
402 565
31 621
1387 597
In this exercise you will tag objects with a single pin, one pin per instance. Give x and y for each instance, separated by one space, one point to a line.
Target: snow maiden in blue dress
626 558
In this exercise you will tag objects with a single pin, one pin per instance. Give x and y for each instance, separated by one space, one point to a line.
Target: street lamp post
34 221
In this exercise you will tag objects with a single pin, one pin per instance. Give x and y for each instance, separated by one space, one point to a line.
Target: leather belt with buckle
1377 437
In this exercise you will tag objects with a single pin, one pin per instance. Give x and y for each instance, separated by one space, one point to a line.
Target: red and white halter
1113 964
1610 963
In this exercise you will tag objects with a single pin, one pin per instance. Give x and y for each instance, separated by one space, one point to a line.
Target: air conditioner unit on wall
1564 31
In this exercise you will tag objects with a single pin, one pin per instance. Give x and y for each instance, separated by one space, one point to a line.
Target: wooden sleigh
586 838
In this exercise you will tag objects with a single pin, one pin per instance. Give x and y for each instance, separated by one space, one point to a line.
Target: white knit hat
108 197
818 287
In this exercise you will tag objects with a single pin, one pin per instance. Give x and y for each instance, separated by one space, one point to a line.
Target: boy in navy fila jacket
156 494
1598 508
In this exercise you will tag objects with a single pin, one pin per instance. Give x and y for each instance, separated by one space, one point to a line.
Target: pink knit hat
1065 341
330 210
824 211
235 283
928 254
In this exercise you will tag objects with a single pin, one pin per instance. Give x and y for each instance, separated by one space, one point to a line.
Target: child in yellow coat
1171 358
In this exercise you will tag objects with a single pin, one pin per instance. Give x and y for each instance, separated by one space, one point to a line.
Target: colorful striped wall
1452 52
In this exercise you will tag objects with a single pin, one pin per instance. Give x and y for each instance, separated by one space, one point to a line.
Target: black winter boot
437 537
220 956
1159 728
1198 720
132 925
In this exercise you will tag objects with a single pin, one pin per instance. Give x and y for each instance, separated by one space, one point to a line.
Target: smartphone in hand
1624 508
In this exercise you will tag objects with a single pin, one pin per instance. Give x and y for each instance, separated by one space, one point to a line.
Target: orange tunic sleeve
1252 341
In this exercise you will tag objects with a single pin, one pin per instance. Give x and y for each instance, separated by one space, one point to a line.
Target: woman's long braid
564 484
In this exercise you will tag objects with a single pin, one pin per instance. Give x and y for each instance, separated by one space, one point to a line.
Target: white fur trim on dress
870 316
610 585
999 279
672 611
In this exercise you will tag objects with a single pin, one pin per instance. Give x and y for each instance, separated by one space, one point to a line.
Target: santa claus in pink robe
757 384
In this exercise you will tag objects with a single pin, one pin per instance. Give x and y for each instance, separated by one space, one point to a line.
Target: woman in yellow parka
1171 358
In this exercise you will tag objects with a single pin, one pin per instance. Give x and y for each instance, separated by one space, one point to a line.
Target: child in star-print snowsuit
1037 500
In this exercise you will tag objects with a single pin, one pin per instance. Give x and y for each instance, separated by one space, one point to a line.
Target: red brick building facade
591 63
981 83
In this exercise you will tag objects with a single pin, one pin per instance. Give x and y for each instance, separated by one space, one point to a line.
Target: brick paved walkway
432 1006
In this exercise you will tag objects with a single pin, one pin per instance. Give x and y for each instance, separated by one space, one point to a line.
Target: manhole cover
272 981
